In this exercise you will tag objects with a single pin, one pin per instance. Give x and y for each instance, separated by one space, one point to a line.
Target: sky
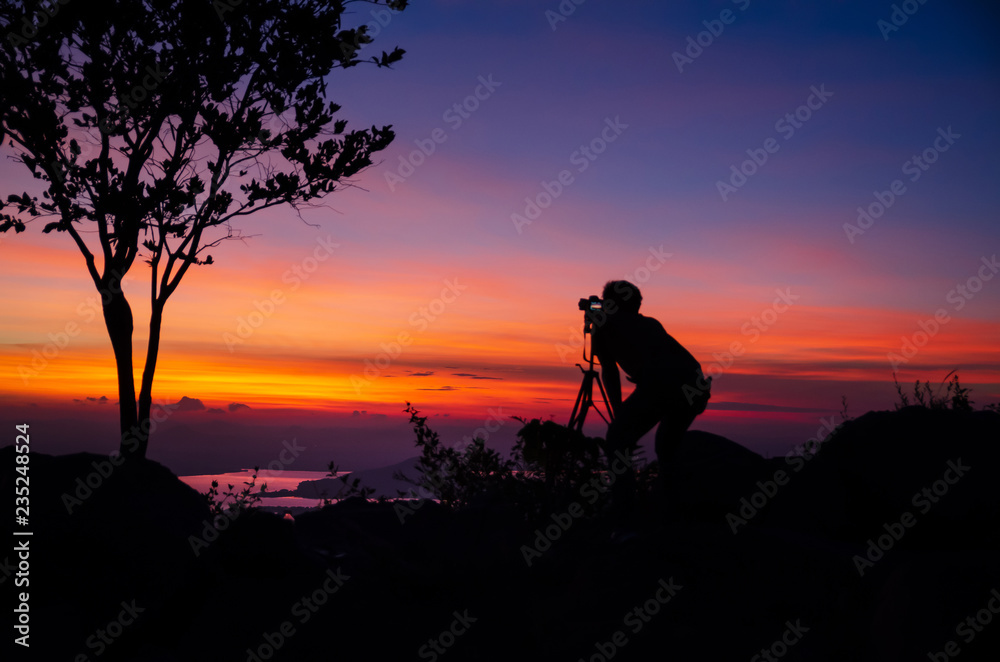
805 193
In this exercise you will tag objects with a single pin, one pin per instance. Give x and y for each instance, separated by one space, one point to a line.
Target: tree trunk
118 319
146 391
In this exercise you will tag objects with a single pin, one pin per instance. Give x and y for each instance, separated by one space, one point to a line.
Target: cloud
443 388
469 374
215 410
188 404
750 406
101 400
421 374
236 406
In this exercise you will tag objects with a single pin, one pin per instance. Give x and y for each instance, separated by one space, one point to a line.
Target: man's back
644 350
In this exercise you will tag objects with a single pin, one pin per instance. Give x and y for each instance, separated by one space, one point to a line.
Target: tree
178 98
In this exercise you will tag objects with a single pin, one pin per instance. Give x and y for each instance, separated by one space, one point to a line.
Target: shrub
549 465
351 488
455 477
245 499
555 462
955 397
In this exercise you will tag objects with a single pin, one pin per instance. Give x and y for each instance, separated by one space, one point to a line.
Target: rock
713 474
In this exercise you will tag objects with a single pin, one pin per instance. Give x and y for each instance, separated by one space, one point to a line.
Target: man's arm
612 381
609 370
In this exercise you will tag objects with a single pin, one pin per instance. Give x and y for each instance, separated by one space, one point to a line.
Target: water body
276 480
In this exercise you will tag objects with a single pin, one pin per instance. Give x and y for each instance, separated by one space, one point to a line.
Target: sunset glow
421 284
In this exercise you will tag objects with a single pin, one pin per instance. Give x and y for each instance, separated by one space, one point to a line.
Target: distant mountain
380 479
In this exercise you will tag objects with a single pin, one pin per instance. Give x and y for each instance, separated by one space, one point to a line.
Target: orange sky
489 307
265 332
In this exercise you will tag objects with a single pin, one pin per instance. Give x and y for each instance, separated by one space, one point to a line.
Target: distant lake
276 480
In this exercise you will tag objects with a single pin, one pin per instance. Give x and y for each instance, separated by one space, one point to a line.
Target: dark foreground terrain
883 546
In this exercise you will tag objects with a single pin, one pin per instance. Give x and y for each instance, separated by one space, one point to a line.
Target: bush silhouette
955 397
456 477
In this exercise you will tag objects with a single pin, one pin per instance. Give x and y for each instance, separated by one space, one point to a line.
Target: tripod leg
604 396
584 401
576 408
590 376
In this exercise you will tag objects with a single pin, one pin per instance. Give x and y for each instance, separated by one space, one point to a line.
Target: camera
593 302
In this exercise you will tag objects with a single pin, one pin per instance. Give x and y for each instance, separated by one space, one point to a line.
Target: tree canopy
135 115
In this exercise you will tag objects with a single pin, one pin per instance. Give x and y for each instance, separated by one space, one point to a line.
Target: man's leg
669 436
636 416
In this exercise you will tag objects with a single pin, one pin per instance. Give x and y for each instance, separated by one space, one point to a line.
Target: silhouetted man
669 386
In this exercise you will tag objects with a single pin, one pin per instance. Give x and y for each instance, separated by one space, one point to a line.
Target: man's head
624 294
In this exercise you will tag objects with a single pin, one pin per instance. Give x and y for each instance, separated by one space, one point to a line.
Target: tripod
585 398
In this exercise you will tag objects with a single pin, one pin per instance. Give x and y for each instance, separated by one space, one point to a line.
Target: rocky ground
882 546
